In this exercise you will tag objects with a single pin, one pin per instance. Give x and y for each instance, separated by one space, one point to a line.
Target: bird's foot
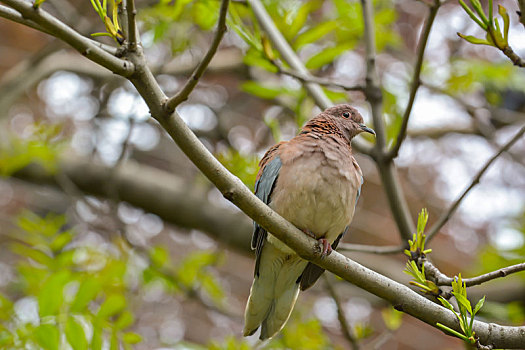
325 246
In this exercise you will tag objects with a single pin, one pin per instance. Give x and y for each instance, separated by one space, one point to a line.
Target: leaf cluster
466 313
113 29
495 35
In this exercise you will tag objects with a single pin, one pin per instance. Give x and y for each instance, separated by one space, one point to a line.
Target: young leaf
51 294
113 305
87 291
473 40
75 334
47 336
478 306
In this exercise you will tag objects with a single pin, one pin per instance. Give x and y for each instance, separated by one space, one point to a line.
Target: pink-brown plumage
313 181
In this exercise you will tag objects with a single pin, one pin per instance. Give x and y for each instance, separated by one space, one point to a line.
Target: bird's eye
346 114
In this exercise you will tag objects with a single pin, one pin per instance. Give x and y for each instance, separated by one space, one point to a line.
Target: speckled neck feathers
321 127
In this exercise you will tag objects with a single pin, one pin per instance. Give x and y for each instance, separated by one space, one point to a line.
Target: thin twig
345 327
416 78
446 216
308 78
132 25
441 279
183 94
290 57
373 249
63 32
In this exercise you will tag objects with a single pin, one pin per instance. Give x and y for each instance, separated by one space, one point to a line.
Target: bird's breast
315 195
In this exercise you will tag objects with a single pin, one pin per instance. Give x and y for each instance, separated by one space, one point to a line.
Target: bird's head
348 120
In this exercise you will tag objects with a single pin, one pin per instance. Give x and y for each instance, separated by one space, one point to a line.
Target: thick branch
155 191
415 79
183 94
289 55
446 216
82 44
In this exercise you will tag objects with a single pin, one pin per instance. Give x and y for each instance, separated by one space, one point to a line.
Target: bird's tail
273 293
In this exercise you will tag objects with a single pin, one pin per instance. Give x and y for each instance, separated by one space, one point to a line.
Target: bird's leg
324 245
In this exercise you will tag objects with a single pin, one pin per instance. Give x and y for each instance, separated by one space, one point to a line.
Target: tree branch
131 13
12 15
291 58
308 78
364 248
345 327
183 94
446 216
441 279
416 78
387 170
82 44
516 60
153 190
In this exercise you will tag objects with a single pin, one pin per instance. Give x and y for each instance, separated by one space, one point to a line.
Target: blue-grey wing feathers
263 190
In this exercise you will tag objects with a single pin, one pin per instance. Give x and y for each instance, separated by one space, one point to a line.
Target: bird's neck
325 130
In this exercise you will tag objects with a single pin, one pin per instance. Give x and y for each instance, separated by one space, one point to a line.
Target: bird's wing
270 166
312 272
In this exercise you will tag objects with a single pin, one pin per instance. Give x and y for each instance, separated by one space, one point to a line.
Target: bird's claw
325 246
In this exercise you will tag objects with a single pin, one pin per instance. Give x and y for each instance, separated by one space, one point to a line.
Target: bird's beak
367 129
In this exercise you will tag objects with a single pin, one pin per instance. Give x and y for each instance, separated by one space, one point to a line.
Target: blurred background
105 222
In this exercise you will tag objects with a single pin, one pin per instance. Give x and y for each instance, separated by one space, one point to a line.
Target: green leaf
125 320
113 344
315 33
463 301
257 58
87 291
392 318
478 306
96 339
205 13
159 256
265 92
47 336
75 334
131 338
326 56
298 21
32 253
506 22
473 40
113 304
51 294
61 240
447 304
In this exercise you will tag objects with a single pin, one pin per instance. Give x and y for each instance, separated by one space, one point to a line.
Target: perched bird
314 182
